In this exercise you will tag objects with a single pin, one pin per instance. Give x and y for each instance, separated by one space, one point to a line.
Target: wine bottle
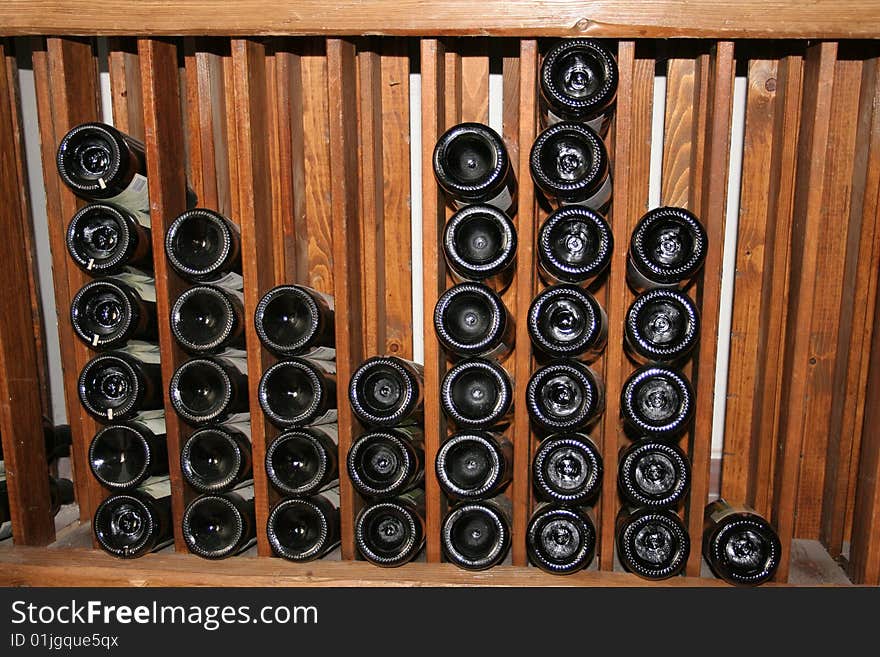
565 395
209 390
561 540
662 326
102 239
203 245
98 162
134 523
567 469
387 462
60 494
295 320
108 312
207 319
391 533
120 384
124 456
297 392
579 83
305 529
656 401
56 439
471 320
304 461
566 321
386 391
476 535
472 166
474 465
477 394
217 526
667 248
479 243
653 474
569 163
574 246
740 546
217 459
652 543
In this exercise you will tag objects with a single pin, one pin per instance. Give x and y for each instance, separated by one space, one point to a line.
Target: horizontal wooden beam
828 19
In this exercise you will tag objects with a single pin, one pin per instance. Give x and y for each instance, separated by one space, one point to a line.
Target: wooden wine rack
293 122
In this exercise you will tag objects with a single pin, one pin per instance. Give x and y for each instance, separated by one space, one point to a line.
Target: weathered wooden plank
347 255
21 403
812 165
600 18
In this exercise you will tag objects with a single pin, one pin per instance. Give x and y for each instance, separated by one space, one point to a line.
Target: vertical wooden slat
525 285
709 176
163 139
396 201
679 132
125 87
829 318
798 371
347 256
434 113
21 405
66 81
774 306
474 59
854 350
752 262
631 158
254 211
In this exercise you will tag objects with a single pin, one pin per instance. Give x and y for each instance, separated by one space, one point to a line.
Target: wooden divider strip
164 138
631 161
830 319
774 301
753 260
250 147
125 87
66 81
21 405
435 104
806 234
524 285
347 257
711 180
829 494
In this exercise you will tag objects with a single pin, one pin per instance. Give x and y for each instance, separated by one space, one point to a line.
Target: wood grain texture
859 290
21 402
600 18
631 157
678 132
805 247
832 313
751 258
79 567
164 138
251 108
434 109
347 258
520 131
125 87
709 175
66 82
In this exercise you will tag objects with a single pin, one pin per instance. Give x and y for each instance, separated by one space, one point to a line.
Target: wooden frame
266 132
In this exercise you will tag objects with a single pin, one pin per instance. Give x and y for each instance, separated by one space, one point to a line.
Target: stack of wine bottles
386 463
474 464
115 314
667 248
56 441
298 395
567 326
